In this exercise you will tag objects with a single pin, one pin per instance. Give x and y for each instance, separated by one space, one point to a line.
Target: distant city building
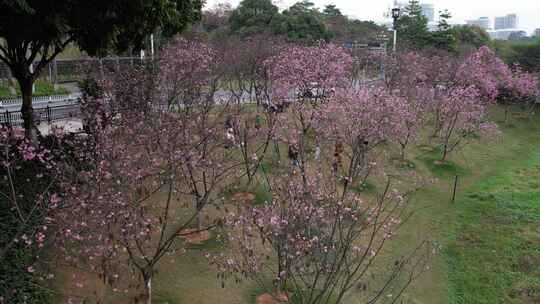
428 10
400 4
505 34
537 32
509 21
482 22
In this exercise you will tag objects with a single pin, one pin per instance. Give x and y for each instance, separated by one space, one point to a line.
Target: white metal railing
40 99
48 114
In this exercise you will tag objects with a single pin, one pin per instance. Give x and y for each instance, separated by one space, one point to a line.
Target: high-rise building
509 21
507 34
428 10
537 32
482 22
400 4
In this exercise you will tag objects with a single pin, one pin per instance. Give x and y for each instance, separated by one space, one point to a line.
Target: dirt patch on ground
246 198
80 285
192 236
267 298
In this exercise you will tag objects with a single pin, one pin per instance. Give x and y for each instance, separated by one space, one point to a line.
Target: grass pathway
493 250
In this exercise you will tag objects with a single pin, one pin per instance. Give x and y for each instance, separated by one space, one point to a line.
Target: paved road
70 125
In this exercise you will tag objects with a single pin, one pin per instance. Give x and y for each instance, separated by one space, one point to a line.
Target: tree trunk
198 218
445 153
147 295
27 110
506 112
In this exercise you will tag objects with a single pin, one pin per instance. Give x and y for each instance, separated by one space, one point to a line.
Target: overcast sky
528 11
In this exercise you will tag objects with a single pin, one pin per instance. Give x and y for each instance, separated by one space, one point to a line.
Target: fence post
101 67
7 120
50 73
48 114
454 191
55 68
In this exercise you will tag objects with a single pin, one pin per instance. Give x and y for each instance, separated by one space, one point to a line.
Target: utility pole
152 46
396 12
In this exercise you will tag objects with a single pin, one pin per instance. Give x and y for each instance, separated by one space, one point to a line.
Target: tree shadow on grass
432 159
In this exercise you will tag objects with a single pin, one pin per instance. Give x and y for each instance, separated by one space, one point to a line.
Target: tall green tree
336 23
412 27
302 22
469 37
527 56
331 11
443 38
253 16
39 30
364 31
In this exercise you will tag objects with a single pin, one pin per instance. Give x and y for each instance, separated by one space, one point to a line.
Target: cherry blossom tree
462 89
151 171
523 88
245 74
408 75
186 74
487 72
462 115
310 73
319 238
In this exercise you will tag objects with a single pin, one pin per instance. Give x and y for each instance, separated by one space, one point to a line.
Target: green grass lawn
42 88
493 250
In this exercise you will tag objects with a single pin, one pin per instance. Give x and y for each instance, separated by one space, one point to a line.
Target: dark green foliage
443 38
413 33
331 11
364 31
412 27
90 87
302 22
524 52
4 92
252 17
94 25
527 56
17 285
469 37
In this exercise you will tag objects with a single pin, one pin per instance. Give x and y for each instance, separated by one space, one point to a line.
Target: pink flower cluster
369 115
302 69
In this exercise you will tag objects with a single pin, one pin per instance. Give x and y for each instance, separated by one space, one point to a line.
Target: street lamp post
383 39
396 12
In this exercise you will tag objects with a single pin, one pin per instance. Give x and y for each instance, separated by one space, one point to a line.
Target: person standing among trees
293 156
229 133
338 150
258 122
